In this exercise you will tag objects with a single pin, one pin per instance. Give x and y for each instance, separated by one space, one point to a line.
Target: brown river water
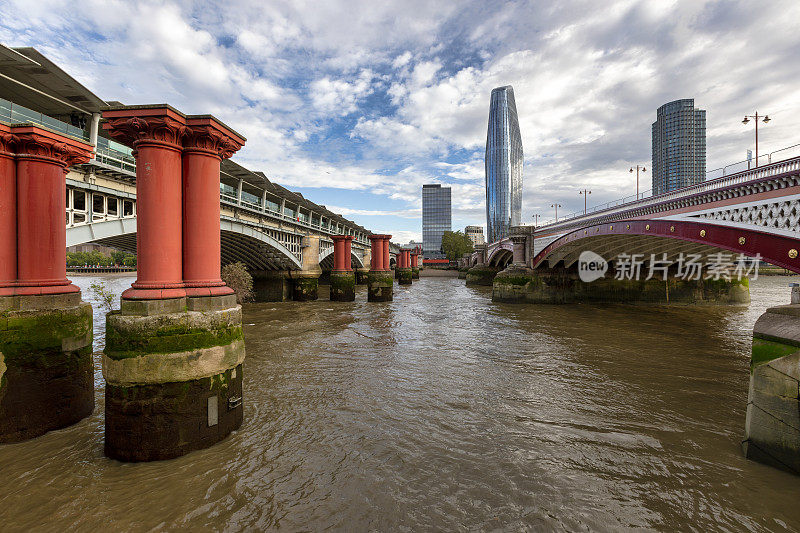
443 411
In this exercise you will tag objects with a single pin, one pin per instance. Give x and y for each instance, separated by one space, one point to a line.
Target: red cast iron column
206 143
376 258
42 160
155 133
414 259
348 250
386 260
338 253
8 212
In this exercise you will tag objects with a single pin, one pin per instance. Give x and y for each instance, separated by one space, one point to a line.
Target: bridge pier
404 272
564 286
174 352
510 284
380 284
415 264
46 369
343 280
305 282
481 273
772 426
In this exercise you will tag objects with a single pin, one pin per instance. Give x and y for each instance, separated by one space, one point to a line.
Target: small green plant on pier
103 294
236 276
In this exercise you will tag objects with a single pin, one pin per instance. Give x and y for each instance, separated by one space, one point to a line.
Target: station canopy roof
31 80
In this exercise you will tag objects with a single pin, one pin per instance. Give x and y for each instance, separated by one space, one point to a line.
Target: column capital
7 139
35 142
518 239
159 124
342 237
206 133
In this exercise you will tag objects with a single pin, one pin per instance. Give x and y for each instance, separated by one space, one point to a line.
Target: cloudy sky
356 104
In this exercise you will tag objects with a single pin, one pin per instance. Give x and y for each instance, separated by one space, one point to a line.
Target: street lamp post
637 177
585 193
536 219
556 206
764 118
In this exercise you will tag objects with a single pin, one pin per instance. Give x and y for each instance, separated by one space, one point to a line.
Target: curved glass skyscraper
503 165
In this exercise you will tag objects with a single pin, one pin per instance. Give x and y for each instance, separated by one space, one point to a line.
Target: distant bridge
751 212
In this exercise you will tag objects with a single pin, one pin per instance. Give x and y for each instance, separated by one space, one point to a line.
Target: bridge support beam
772 426
305 282
343 280
46 369
174 351
405 275
380 283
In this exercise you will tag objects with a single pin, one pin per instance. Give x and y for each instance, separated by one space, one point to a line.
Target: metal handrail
713 184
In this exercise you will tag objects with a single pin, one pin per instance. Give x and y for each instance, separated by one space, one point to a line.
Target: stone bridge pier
305 282
380 284
481 273
343 280
174 352
772 424
415 264
46 370
404 272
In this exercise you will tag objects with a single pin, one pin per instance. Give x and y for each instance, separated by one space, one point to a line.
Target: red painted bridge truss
671 237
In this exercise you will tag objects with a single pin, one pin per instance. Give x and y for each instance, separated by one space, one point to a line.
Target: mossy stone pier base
414 272
380 286
481 275
305 289
404 276
510 284
556 286
173 371
772 426
343 286
46 373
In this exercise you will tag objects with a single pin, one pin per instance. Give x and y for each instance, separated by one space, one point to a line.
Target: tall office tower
475 234
503 165
679 146
436 219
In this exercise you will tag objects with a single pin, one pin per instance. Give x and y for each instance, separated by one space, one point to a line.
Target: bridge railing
257 208
646 199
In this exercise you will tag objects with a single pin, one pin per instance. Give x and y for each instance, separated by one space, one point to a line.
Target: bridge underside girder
671 237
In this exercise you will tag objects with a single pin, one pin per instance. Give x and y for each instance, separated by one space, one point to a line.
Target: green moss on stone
765 351
169 339
36 339
342 281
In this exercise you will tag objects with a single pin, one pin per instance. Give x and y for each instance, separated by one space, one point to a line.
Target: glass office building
679 146
436 219
503 165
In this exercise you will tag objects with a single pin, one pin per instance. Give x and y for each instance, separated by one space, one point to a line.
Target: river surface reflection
443 410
